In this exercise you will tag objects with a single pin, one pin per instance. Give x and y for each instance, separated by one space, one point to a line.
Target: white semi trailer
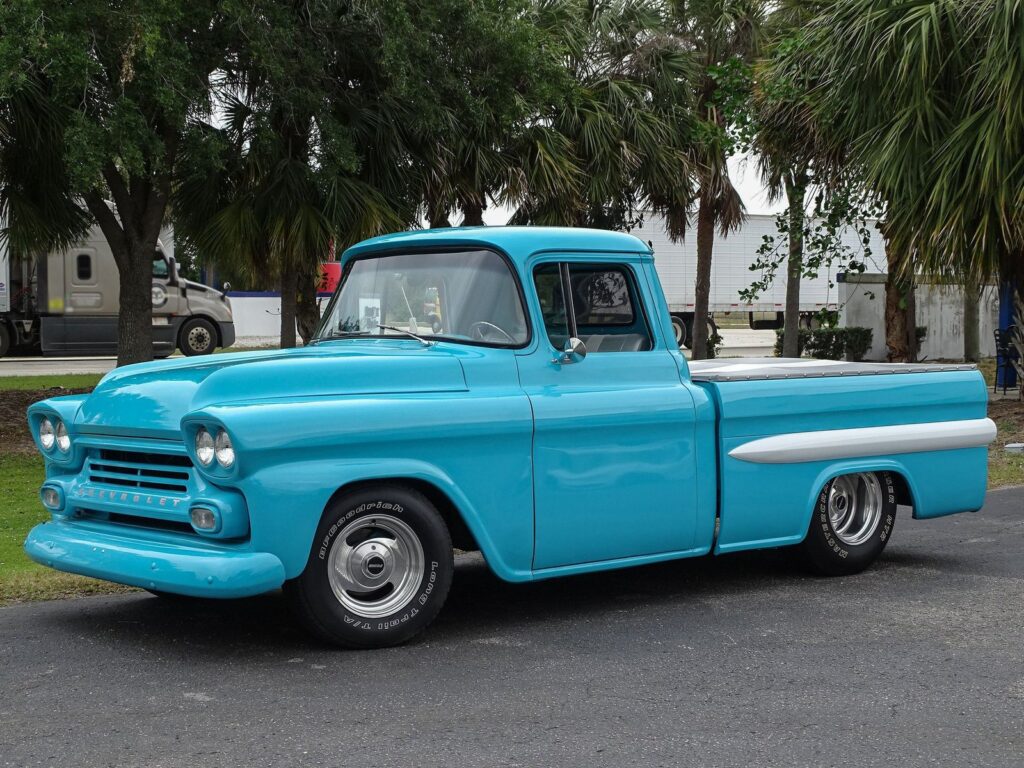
730 273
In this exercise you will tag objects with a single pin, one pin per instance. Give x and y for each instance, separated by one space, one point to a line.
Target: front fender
287 501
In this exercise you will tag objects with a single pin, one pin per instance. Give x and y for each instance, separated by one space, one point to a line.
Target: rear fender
770 505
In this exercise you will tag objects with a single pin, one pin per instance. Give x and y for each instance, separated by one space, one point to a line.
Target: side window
83 268
159 266
605 310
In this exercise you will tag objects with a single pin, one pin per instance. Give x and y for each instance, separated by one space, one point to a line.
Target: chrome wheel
199 339
855 507
375 566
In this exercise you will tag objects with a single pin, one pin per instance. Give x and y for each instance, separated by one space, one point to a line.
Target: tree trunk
795 191
135 316
702 288
897 332
307 312
438 215
289 289
132 236
972 316
473 214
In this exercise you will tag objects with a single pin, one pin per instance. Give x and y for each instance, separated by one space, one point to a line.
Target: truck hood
150 399
191 285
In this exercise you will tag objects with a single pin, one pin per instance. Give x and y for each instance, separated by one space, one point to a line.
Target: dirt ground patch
14 434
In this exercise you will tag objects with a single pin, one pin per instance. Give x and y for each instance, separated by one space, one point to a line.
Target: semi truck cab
66 303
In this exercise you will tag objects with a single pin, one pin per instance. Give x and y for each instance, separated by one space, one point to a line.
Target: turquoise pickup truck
516 391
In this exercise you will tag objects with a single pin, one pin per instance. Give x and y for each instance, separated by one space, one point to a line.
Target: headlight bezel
216 470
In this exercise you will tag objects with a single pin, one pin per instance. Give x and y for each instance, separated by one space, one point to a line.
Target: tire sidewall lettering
832 542
428 579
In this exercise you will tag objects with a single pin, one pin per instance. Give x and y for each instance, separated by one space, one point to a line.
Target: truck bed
786 427
767 368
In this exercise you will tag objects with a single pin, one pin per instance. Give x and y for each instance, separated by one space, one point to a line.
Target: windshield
466 296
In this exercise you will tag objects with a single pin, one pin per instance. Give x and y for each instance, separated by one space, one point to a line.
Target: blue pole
1006 376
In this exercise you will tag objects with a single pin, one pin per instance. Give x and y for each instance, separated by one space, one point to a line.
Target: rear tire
5 339
852 522
379 569
681 331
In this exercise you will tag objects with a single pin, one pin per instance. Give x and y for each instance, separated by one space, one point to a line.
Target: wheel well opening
462 537
902 488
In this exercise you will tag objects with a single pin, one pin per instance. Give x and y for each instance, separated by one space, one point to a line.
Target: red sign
330 274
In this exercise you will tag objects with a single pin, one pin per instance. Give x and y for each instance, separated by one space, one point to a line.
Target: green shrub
830 343
858 342
714 344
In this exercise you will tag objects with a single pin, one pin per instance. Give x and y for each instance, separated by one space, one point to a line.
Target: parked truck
547 419
676 264
66 302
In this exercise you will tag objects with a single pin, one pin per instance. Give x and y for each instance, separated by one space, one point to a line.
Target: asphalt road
42 366
739 660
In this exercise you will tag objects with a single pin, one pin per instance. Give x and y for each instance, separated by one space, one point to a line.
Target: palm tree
302 162
926 98
720 33
36 201
787 141
275 204
615 142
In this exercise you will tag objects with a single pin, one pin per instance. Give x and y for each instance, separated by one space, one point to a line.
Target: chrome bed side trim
767 368
799 447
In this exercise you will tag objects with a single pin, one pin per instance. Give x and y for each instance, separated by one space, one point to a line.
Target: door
167 295
614 460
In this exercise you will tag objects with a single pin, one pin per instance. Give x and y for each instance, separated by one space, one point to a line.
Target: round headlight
224 450
204 447
46 434
63 438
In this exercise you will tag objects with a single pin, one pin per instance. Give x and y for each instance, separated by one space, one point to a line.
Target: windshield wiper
407 333
350 334
339 335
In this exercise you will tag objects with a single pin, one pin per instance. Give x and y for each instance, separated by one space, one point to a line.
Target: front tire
379 569
851 524
197 337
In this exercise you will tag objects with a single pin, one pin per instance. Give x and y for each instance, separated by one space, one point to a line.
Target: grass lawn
49 381
20 578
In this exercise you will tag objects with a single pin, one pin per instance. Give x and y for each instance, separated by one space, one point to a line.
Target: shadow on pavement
478 604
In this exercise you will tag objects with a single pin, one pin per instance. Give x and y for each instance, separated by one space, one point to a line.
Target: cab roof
518 242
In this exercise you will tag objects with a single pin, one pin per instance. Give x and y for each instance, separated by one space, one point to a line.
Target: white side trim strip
797 447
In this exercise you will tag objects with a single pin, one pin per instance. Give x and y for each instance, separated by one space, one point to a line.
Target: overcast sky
744 176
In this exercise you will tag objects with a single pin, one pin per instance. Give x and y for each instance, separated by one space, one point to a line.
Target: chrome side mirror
574 352
227 287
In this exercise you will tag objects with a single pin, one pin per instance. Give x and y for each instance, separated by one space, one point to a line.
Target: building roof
518 242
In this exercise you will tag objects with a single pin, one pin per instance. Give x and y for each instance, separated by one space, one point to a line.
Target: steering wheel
476 331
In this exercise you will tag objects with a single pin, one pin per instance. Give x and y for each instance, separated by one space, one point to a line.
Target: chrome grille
168 473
